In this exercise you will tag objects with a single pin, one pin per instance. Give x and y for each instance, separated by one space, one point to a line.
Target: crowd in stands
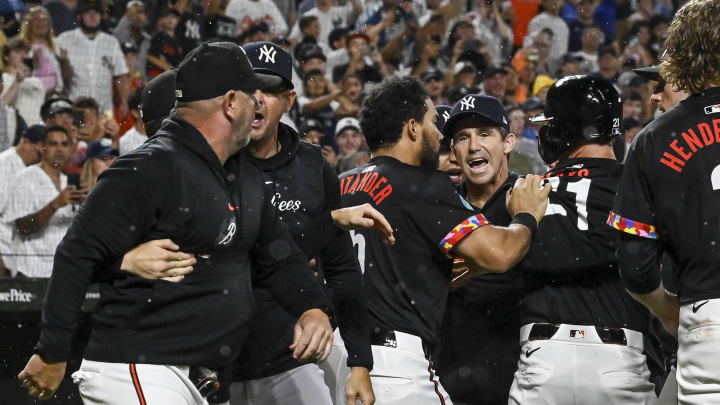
73 70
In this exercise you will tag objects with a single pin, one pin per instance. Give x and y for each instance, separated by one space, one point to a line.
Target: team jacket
304 189
484 310
173 187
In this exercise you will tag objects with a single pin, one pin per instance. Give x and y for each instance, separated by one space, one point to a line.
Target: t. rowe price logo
16 295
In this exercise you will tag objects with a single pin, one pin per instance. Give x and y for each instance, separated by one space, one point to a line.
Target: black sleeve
639 262
20 127
282 268
121 207
345 282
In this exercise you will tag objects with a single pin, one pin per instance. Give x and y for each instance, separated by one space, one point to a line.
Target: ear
414 129
290 100
228 99
510 140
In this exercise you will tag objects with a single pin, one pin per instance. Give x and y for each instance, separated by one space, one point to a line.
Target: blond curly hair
691 61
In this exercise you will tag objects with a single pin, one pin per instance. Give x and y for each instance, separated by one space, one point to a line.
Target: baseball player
446 160
667 201
407 283
479 335
582 334
152 340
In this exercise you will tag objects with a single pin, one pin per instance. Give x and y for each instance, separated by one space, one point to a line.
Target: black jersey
570 271
669 192
408 283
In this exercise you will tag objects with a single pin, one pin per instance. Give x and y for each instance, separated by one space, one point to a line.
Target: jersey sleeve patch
462 230
632 227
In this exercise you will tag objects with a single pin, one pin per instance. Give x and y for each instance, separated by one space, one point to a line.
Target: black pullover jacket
304 188
173 187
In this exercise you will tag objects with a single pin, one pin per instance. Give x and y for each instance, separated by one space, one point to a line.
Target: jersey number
359 240
715 178
580 189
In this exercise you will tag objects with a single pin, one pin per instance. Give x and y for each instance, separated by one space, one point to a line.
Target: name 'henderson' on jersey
671 191
408 282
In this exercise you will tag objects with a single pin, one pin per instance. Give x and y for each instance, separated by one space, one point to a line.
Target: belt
205 380
545 331
399 340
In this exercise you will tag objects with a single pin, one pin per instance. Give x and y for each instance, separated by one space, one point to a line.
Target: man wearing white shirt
96 59
248 12
330 16
550 18
12 161
41 206
135 136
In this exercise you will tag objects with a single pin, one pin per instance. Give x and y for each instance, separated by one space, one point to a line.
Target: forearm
33 223
10 95
318 103
495 249
123 85
394 47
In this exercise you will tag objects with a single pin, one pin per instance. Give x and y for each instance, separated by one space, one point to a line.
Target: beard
429 154
87 29
240 132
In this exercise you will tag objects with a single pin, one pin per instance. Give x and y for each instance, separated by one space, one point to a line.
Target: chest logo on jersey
688 142
228 228
370 182
285 205
712 109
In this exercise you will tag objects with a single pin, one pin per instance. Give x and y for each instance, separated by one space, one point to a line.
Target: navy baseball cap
270 59
443 115
477 104
55 106
158 96
210 70
33 133
96 149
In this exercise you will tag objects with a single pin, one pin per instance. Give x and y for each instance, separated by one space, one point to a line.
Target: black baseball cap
309 125
443 115
96 149
158 96
271 59
55 106
649 73
210 70
477 104
127 47
493 70
87 5
33 133
310 52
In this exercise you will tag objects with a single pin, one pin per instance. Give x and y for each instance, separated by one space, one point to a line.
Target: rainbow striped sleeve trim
636 228
462 230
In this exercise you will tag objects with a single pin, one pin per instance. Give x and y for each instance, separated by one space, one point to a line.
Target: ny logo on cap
268 52
467 103
446 115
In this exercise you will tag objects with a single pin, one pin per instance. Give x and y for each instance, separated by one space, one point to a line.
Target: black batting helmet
578 109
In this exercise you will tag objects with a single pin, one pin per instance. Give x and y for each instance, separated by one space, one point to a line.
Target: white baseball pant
144 384
576 367
698 369
302 385
401 375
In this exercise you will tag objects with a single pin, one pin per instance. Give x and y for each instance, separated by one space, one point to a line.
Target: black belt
545 331
385 337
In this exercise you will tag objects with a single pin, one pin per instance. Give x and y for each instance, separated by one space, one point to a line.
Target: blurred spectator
218 25
310 28
347 136
466 74
540 87
131 29
288 9
165 52
96 59
512 83
569 65
258 32
312 131
92 127
249 12
49 64
435 86
492 30
592 38
659 25
20 89
12 125
550 18
310 58
61 12
607 64
320 100
365 60
135 80
57 111
13 160
352 161
532 107
352 96
524 11
536 52
41 206
493 84
330 16
632 105
639 45
631 126
99 158
190 31
644 12
576 27
136 135
525 157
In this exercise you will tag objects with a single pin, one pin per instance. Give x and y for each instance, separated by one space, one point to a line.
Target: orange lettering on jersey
355 183
677 157
672 162
370 182
706 133
716 127
677 148
363 181
384 193
376 186
692 140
